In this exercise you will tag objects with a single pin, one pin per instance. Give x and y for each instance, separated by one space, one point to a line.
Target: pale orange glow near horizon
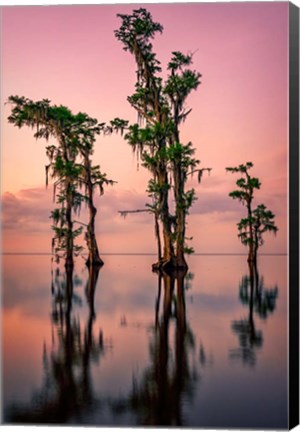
69 55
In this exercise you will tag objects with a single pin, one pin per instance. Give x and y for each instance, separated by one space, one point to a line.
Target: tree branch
124 213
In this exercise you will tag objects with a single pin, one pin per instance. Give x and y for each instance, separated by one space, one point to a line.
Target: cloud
212 197
115 200
28 210
212 220
215 202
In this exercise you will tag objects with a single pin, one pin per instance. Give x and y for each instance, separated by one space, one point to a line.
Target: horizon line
152 253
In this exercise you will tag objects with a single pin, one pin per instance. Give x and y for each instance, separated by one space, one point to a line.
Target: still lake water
130 348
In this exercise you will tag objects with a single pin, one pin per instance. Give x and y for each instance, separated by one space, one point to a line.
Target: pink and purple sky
69 55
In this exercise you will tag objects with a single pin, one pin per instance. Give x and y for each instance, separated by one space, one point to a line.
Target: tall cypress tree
160 106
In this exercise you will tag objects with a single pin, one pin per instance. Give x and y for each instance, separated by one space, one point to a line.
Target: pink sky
69 55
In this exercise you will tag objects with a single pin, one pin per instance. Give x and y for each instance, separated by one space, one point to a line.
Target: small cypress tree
258 220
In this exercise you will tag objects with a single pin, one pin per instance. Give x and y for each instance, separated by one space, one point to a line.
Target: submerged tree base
169 266
94 263
252 259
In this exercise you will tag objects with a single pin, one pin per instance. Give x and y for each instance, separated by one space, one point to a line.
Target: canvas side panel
293 215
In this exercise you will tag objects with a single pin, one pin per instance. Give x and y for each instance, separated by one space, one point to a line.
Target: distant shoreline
149 254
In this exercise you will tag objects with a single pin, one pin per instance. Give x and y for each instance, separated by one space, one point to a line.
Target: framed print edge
293 215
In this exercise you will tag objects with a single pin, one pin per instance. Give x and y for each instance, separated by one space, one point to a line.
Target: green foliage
135 33
160 106
264 299
259 220
69 160
246 184
189 250
188 198
156 188
60 241
117 125
243 168
263 222
58 216
245 227
239 195
179 60
139 25
182 154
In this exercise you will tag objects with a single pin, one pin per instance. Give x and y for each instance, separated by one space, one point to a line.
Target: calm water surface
126 347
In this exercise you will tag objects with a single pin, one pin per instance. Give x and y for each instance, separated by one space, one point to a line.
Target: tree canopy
259 220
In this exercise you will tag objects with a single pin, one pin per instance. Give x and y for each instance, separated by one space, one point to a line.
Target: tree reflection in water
260 301
67 389
158 395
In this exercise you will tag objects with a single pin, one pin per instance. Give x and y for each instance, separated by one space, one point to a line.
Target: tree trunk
94 257
69 241
255 246
251 244
255 250
69 295
145 74
168 260
69 205
168 255
180 238
180 216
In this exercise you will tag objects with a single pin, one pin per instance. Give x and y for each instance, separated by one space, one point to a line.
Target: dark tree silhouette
70 166
260 301
258 220
67 389
157 395
161 110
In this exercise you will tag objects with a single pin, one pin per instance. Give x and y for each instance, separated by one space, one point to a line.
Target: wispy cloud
212 222
29 210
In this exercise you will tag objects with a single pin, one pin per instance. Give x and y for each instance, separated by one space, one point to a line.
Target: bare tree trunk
180 216
179 186
255 247
251 245
168 258
70 241
94 257
69 205
91 288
